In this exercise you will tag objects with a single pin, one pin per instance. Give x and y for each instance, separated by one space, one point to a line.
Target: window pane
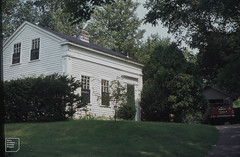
35 43
16 53
34 54
105 93
35 49
105 98
85 82
85 92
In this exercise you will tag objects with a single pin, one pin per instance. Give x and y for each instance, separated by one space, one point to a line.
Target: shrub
45 98
126 112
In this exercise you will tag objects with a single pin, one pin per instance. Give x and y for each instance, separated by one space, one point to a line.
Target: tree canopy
171 86
213 27
116 27
147 47
80 10
52 14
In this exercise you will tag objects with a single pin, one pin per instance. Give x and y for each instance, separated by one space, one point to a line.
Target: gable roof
216 89
22 26
76 41
90 45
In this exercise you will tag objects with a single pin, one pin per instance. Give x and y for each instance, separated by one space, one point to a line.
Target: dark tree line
172 86
213 27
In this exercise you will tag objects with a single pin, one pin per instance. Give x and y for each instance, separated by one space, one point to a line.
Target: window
35 49
16 53
105 92
85 91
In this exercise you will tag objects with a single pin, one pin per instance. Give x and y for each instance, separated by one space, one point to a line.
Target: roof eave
99 52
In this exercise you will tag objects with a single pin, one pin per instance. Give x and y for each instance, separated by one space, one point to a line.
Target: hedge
44 98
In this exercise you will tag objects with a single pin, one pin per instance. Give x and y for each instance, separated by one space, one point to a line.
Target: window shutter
130 95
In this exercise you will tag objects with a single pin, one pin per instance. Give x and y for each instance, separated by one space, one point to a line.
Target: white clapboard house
33 50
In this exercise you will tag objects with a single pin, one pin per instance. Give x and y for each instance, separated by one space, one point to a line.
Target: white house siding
57 55
98 67
50 55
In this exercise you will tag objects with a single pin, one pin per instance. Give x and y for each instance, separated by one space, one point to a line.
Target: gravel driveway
228 144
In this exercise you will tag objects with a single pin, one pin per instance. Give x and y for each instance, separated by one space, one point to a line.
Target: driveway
228 144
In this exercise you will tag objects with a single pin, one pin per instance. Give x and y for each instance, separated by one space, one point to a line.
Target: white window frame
87 86
35 45
104 88
15 51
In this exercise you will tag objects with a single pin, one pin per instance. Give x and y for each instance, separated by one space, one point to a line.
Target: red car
218 113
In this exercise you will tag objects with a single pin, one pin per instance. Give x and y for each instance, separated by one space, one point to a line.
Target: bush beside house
45 98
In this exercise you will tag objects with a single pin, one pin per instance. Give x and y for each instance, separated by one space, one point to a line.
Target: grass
90 138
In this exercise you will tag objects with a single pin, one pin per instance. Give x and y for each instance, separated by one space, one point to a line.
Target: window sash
85 93
105 92
85 90
105 99
16 53
85 82
105 86
34 54
17 48
16 58
35 49
35 43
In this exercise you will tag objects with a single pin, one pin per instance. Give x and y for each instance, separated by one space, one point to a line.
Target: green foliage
82 9
49 98
116 26
228 77
126 112
105 99
213 27
14 13
61 24
196 18
117 95
148 46
236 104
117 92
171 86
195 118
130 95
123 100
46 13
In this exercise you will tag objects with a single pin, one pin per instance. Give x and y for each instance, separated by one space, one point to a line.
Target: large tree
47 13
171 86
147 47
81 10
209 25
116 27
10 15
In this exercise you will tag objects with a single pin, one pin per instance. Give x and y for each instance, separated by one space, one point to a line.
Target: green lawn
90 138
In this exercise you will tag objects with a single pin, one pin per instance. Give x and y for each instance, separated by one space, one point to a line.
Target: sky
162 31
